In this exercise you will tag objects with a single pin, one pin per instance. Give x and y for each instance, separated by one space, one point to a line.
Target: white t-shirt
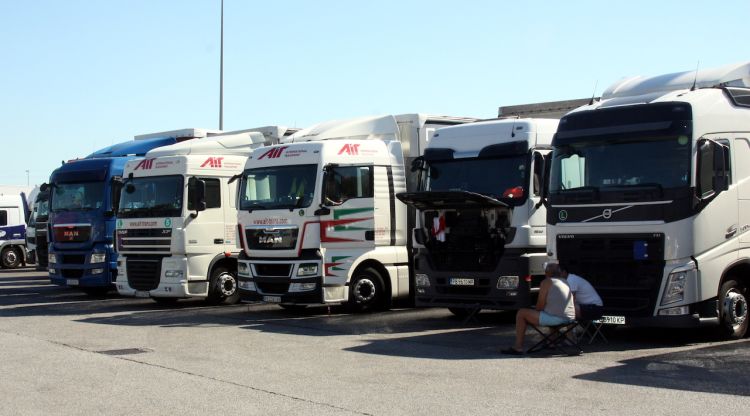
585 294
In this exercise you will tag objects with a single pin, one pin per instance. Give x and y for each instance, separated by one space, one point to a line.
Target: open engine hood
448 200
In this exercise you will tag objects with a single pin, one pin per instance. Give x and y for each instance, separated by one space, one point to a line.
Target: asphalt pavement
64 352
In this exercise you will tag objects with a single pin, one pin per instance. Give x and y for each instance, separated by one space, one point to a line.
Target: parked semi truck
83 197
14 213
318 217
36 230
649 199
177 218
480 240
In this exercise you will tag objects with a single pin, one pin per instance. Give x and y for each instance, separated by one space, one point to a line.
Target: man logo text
350 149
273 153
212 162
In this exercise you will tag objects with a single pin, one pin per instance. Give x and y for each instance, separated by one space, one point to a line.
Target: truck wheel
11 258
733 311
222 287
366 290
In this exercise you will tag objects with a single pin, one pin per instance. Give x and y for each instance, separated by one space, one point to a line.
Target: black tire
292 306
366 291
462 312
96 292
733 310
165 301
222 287
10 258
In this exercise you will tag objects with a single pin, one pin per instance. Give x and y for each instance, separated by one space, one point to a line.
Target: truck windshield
82 196
278 187
501 178
602 166
151 196
41 213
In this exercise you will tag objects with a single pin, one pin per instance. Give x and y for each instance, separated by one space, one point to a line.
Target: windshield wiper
255 206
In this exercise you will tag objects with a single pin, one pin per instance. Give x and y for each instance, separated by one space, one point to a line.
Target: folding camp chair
560 337
591 329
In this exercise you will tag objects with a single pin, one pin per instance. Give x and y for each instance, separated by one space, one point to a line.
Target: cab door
350 204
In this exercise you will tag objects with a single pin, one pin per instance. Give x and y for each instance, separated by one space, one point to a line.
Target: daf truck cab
82 218
649 199
319 221
176 228
480 239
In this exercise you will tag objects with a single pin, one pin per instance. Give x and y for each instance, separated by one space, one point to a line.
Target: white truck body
480 239
303 247
14 213
649 198
180 251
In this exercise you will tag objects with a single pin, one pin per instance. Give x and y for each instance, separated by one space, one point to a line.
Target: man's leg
524 317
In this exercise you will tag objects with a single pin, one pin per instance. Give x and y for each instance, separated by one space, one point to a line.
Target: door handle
218 241
731 231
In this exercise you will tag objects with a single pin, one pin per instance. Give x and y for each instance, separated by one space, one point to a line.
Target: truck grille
271 238
73 259
72 273
144 272
149 240
626 271
273 288
271 269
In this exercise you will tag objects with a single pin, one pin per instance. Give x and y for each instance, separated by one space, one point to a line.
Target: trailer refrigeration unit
480 239
177 218
83 197
649 199
14 213
318 217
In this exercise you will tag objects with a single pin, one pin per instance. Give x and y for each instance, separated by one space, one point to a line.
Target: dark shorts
590 312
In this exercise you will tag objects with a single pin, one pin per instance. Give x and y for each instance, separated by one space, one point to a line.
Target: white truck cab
176 233
318 217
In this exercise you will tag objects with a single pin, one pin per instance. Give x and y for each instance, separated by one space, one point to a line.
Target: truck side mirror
545 174
197 195
417 164
44 187
114 199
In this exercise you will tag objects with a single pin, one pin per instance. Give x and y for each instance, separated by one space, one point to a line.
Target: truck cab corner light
421 280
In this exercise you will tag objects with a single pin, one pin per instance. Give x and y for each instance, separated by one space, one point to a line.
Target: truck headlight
675 290
98 258
97 271
507 282
246 285
51 258
173 273
52 271
242 269
421 280
307 269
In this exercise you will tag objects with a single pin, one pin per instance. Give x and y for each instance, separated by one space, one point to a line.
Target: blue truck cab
82 219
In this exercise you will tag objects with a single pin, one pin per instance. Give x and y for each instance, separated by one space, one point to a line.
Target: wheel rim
735 308
365 291
10 257
227 284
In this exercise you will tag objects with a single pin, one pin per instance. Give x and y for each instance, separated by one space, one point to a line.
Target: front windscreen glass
620 165
501 178
83 196
278 187
151 196
42 209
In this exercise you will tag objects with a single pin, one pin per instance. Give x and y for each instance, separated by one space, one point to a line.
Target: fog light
301 287
173 274
507 282
307 269
98 258
242 269
675 290
677 310
97 271
246 285
51 258
421 280
52 271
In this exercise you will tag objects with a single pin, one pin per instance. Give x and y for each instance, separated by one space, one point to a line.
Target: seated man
588 303
553 307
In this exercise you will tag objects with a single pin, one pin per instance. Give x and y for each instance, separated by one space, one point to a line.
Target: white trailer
176 227
14 214
318 215
649 198
480 242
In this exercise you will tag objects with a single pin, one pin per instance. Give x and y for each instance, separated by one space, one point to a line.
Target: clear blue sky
78 75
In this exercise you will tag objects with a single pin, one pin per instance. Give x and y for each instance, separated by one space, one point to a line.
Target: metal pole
27 177
221 72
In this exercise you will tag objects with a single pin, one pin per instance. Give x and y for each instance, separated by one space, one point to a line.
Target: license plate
71 282
141 294
455 281
272 299
612 320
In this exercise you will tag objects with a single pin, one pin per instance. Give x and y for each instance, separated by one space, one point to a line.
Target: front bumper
157 284
73 269
276 285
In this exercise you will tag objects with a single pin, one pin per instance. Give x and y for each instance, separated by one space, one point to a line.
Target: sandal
511 351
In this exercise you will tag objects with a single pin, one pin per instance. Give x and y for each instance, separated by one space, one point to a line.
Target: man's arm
541 301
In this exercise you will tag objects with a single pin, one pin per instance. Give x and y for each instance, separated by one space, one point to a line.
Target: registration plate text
272 299
456 281
612 320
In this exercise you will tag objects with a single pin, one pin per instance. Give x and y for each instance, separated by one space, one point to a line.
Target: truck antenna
695 78
593 93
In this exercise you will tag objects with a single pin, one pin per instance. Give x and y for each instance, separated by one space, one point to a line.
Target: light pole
221 72
27 177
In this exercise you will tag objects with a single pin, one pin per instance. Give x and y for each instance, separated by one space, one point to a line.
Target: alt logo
350 149
145 164
213 162
273 153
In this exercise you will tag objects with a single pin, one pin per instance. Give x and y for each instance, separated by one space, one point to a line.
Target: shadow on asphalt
714 369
